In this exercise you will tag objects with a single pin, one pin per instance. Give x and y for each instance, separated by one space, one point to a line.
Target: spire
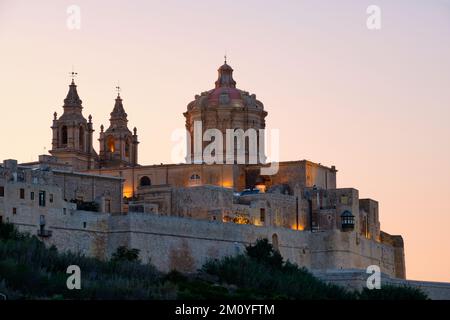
118 111
225 76
72 99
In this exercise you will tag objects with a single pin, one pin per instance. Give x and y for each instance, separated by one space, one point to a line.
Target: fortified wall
186 244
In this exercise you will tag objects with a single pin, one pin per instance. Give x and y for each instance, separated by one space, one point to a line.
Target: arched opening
145 181
275 242
81 138
64 135
111 144
127 149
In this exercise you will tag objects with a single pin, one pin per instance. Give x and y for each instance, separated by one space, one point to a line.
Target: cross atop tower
118 88
73 74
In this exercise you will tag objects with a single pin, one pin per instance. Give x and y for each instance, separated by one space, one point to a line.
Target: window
344 199
195 176
22 193
108 205
111 144
81 138
64 211
84 225
262 214
42 198
145 181
14 210
2 191
64 135
347 221
51 197
32 195
127 149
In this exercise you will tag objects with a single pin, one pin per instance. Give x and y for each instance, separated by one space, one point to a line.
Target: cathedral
181 215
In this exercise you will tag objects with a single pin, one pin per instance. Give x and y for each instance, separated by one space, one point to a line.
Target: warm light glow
227 184
261 188
127 191
299 227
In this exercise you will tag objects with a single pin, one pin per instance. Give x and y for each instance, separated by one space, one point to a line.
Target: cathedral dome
225 108
225 93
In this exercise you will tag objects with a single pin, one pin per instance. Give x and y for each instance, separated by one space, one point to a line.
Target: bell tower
72 133
118 145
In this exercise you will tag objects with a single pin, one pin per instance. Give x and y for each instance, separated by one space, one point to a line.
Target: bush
264 253
262 273
390 292
124 254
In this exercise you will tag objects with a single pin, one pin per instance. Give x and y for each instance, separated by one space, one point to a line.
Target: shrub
390 292
124 254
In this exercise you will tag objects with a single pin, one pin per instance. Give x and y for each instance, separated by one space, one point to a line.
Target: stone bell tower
118 146
72 134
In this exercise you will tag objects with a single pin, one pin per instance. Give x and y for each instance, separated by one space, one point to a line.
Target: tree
264 252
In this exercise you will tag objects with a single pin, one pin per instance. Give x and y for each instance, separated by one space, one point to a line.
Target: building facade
180 215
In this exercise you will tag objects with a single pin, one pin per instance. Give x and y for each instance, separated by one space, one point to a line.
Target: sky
374 103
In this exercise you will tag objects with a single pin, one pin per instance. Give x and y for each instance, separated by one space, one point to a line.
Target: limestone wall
186 244
356 279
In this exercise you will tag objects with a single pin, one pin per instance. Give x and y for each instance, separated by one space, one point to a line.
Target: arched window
111 144
81 138
64 135
127 149
195 176
145 181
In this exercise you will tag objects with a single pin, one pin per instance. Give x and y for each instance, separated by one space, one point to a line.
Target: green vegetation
29 270
125 254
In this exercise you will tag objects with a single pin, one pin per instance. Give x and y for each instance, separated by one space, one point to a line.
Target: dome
225 93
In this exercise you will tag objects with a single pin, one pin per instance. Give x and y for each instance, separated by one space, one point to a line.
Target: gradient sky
374 103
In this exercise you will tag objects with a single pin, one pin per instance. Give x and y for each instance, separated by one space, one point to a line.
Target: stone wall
356 279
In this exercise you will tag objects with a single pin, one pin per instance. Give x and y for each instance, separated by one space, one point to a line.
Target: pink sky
374 103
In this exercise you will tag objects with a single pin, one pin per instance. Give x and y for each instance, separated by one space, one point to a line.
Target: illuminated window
111 144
